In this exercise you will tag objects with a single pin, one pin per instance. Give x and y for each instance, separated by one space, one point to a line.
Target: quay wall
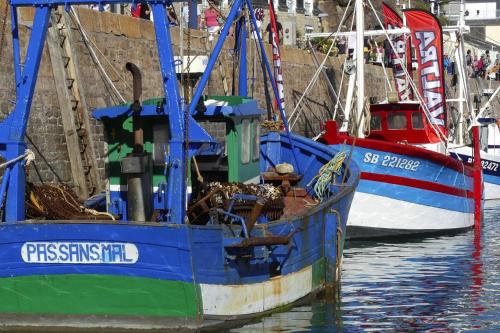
119 39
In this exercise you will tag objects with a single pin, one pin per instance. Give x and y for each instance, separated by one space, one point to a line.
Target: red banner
428 41
278 72
391 21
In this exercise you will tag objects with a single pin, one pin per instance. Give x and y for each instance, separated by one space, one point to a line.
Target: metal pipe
254 214
136 107
242 84
137 80
477 178
3 188
16 47
368 33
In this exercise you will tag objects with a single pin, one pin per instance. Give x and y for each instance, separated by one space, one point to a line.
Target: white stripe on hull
124 188
491 191
232 300
374 211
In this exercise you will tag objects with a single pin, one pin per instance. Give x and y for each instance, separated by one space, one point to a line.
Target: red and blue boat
405 188
409 183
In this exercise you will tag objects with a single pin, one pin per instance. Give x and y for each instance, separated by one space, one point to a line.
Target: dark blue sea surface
433 284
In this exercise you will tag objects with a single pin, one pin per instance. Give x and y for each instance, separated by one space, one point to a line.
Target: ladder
74 112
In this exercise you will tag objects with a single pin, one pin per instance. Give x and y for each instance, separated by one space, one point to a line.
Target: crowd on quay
379 52
375 51
482 66
211 20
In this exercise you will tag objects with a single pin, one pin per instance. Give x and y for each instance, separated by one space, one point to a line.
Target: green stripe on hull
98 295
318 273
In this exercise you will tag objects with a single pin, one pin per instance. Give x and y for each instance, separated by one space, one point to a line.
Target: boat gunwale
406 149
345 189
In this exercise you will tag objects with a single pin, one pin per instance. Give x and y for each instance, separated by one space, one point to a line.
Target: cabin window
416 120
375 123
245 141
161 135
396 121
256 140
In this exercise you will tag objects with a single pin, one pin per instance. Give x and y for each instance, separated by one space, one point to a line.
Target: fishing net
58 202
219 195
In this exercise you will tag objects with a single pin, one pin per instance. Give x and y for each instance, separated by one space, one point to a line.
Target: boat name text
392 161
79 253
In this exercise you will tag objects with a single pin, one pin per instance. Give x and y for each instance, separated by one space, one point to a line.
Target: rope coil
326 176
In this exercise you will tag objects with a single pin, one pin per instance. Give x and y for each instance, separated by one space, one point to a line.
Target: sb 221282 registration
392 161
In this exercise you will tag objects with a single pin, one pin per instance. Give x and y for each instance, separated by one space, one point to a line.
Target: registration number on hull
392 161
487 165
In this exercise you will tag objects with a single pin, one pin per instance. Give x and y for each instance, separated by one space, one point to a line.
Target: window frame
245 141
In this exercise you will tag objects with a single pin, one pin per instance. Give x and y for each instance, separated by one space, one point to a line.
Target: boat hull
367 221
491 170
491 187
130 275
410 193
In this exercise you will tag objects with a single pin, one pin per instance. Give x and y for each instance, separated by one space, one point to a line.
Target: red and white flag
427 39
278 73
391 21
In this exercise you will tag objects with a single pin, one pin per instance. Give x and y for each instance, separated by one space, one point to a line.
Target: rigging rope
436 129
315 76
88 43
385 71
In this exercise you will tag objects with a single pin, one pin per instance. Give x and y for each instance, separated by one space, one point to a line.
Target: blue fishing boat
193 232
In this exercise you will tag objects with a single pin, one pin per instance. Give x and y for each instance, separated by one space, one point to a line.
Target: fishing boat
490 159
193 232
490 151
409 183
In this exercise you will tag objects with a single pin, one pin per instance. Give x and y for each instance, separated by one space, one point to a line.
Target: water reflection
439 284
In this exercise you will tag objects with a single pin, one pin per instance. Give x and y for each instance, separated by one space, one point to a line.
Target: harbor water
433 284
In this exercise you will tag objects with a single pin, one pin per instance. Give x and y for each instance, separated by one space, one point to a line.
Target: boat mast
360 99
463 76
464 82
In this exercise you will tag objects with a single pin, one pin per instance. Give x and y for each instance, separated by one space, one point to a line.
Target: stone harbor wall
117 40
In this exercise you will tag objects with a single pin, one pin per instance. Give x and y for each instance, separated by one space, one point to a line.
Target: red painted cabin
400 122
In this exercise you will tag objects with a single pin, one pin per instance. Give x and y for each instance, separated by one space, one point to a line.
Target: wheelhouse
400 122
